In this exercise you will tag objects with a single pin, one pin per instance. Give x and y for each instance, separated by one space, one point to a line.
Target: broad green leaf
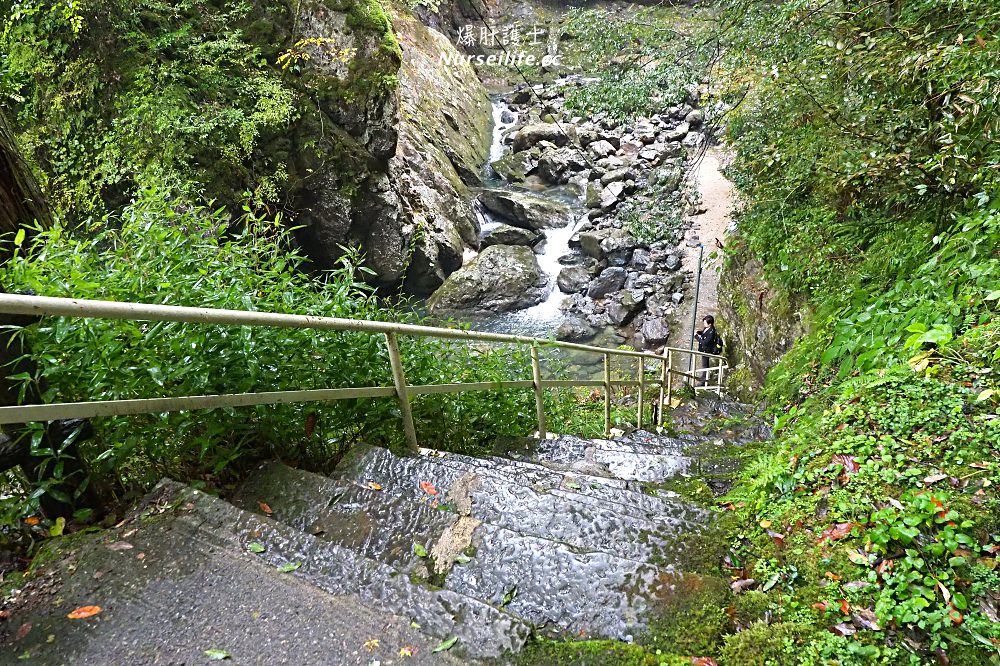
288 568
215 654
256 547
419 550
57 527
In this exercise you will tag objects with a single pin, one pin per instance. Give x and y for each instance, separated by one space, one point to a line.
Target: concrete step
544 580
482 630
177 581
654 459
504 499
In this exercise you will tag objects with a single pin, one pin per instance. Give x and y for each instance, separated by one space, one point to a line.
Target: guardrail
401 390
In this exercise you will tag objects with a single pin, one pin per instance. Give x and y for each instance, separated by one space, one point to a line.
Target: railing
401 390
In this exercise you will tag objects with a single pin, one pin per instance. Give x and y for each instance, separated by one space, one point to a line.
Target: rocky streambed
580 223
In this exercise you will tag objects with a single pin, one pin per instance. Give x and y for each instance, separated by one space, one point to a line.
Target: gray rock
513 167
676 297
624 307
573 279
654 331
575 329
640 258
602 148
611 195
525 210
506 234
672 262
610 163
617 247
678 132
693 140
555 165
609 281
695 118
502 278
618 175
529 135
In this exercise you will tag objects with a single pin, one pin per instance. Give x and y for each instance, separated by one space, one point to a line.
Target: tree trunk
22 207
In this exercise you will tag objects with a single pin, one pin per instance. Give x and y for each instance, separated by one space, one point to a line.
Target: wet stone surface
563 559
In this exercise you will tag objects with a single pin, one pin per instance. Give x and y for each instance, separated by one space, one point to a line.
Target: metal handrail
92 309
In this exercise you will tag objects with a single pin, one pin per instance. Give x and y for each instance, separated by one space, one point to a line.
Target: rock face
398 177
757 324
525 210
502 278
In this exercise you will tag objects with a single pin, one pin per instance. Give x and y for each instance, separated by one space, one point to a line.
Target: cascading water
543 319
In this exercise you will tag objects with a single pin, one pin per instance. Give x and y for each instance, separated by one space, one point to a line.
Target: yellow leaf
765 524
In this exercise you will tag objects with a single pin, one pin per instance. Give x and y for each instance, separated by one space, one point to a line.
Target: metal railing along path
401 390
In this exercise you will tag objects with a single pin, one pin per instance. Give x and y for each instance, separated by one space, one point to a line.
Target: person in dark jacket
709 341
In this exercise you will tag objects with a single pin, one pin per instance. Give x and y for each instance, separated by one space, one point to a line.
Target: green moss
588 653
766 644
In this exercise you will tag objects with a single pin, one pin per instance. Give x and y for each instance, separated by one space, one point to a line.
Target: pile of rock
611 278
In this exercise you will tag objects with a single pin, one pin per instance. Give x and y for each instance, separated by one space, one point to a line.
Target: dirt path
708 228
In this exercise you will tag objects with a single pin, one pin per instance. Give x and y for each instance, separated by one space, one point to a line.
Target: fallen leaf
742 585
290 567
84 612
444 646
981 41
777 538
856 585
428 488
934 478
32 520
374 486
256 547
821 606
845 607
979 465
406 651
419 550
849 463
704 661
832 576
140 556
310 424
120 545
865 619
217 655
22 631
844 629
956 616
765 524
836 532
371 644
4 614
265 508
857 557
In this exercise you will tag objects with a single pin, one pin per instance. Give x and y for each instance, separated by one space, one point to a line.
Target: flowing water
543 319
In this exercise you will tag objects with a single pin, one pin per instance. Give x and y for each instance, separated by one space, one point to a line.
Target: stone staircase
563 537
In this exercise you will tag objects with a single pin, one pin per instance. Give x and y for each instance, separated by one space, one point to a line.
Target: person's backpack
714 343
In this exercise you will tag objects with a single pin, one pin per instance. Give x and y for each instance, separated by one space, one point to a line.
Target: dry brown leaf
22 631
836 532
865 619
934 478
31 520
265 508
742 585
119 545
374 486
428 488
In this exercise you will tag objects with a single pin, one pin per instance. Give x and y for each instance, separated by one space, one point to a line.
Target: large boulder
654 331
502 278
573 279
514 167
609 281
505 234
525 210
556 165
530 135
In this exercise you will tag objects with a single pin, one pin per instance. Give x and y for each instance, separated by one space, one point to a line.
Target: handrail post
536 377
607 394
642 391
399 379
668 381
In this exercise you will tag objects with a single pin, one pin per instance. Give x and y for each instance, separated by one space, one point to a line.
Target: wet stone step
624 460
579 520
624 496
545 582
482 630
